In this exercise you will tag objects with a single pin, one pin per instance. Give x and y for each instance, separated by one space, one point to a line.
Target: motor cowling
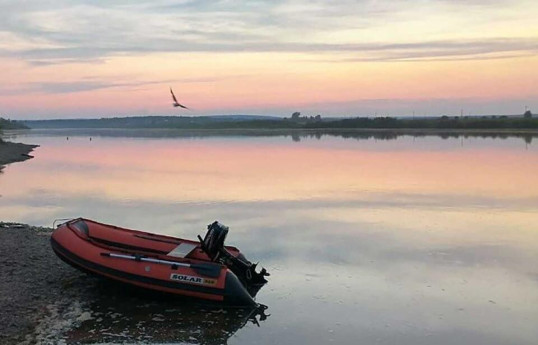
213 242
213 245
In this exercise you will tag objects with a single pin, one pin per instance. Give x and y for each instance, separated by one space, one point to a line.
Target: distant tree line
296 116
296 121
11 124
445 122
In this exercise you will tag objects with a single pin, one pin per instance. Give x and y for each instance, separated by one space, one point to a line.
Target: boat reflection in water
129 314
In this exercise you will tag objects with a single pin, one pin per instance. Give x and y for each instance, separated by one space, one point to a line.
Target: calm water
405 241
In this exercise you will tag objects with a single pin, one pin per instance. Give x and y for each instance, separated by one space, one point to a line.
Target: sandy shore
14 152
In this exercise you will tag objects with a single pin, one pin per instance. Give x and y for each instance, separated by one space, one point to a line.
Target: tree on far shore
527 114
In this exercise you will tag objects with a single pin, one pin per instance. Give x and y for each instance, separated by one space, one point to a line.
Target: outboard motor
213 246
213 242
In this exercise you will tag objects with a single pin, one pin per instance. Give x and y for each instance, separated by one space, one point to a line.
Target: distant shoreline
396 131
14 152
296 122
406 131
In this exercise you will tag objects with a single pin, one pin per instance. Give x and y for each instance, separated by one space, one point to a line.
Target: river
369 239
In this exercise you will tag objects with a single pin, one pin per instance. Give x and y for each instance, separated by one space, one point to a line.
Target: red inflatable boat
203 269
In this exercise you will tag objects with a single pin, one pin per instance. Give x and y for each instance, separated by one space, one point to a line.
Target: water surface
369 239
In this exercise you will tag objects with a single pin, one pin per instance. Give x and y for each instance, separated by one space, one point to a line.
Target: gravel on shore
36 287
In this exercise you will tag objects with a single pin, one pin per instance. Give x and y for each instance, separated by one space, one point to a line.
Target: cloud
47 32
89 85
50 62
445 50
450 50
71 87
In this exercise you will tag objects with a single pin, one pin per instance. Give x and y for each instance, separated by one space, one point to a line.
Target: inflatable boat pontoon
203 269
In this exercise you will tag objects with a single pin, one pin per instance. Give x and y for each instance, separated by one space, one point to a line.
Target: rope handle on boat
210 270
59 220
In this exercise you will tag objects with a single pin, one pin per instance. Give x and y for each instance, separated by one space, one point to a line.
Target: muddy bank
14 152
45 301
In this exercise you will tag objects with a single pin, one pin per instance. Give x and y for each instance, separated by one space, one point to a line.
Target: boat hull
83 252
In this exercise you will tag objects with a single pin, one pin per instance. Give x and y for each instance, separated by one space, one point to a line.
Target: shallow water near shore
369 239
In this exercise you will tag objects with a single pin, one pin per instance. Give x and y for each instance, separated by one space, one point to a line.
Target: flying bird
176 103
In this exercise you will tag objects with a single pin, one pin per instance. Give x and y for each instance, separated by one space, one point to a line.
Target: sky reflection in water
405 241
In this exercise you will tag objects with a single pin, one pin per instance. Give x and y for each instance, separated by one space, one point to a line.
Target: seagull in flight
176 103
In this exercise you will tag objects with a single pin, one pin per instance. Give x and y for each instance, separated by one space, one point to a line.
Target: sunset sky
83 58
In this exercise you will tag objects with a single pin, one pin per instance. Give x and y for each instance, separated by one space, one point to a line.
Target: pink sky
98 59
